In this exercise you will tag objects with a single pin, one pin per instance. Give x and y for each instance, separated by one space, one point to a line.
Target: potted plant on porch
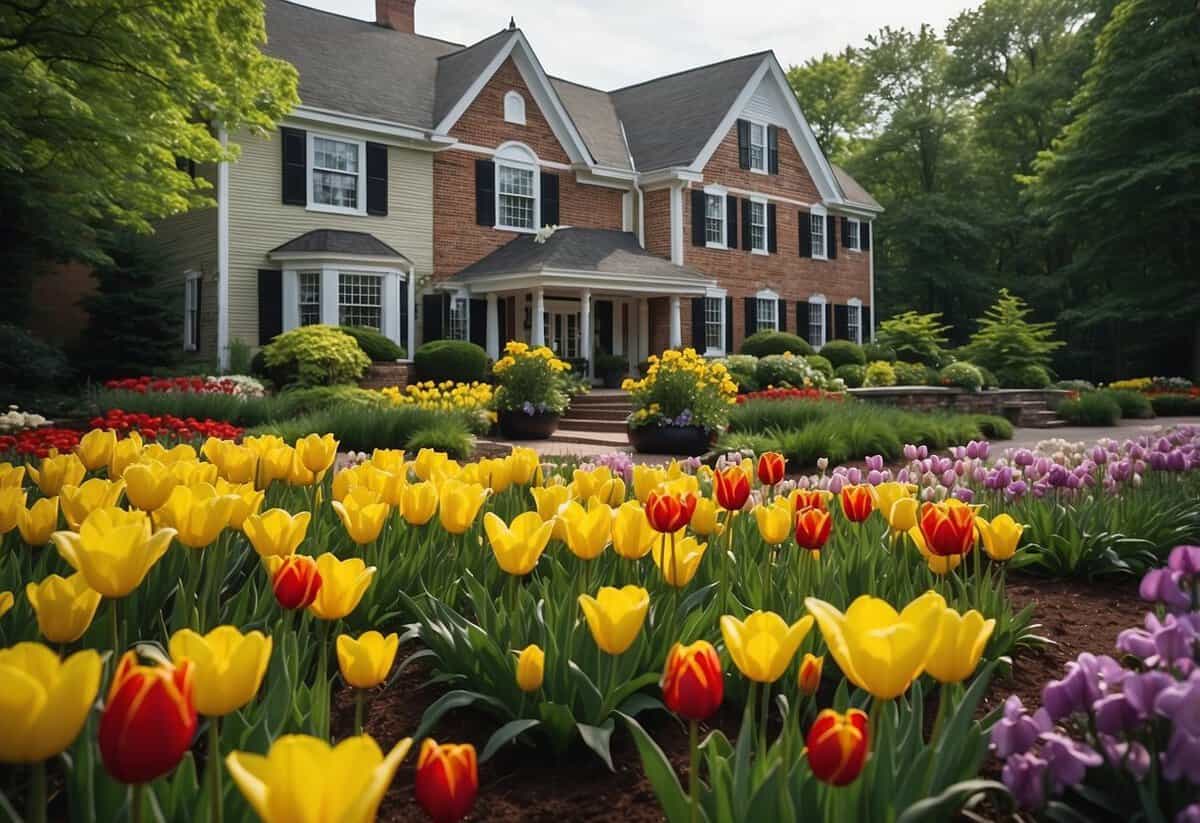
681 405
610 368
530 391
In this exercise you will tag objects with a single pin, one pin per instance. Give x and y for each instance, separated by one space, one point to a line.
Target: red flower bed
790 394
39 442
196 385
153 426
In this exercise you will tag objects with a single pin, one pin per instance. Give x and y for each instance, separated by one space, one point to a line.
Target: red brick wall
457 240
657 224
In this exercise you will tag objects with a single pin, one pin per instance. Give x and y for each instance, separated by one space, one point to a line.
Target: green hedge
363 428
375 345
763 343
455 360
845 353
1090 409
1175 405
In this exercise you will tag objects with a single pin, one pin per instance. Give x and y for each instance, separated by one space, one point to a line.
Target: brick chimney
396 14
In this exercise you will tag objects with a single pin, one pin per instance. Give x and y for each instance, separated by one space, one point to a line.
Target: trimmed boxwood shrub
742 369
1175 405
845 353
1030 376
779 370
880 373
962 375
1090 409
821 364
455 360
909 374
878 351
763 343
851 374
379 348
315 355
1134 405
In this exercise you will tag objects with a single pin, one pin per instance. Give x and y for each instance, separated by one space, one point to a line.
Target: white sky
613 43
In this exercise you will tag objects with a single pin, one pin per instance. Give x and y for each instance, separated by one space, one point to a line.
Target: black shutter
602 311
434 308
549 199
698 214
864 235
485 193
772 149
698 324
805 231
377 179
746 239
772 244
295 167
196 336
841 322
731 221
502 316
728 325
831 237
828 322
478 318
781 315
751 316
845 232
743 127
270 304
802 319
402 306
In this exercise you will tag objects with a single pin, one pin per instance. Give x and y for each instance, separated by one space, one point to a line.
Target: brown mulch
530 784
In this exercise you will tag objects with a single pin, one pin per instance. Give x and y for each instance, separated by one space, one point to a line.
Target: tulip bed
180 624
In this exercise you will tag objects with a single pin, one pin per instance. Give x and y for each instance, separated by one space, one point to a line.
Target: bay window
309 288
360 300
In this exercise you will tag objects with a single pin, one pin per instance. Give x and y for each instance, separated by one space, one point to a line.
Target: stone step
1039 419
616 440
603 412
590 424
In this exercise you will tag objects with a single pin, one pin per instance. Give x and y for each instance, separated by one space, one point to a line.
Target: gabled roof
853 191
336 241
458 70
596 118
668 120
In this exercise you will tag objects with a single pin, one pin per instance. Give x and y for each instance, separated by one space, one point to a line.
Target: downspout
641 200
223 254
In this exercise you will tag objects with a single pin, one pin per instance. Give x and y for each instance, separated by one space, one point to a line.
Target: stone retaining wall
382 375
1007 402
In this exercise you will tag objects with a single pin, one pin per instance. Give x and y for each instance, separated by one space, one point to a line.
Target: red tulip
669 513
948 529
732 488
771 468
812 528
809 499
837 746
296 581
857 502
692 682
809 677
446 781
148 721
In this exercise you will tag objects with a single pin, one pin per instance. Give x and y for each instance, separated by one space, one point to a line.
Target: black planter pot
686 440
517 425
612 378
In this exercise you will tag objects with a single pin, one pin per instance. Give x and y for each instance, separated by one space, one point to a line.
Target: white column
643 329
493 327
390 295
676 334
291 299
618 341
585 329
537 334
412 311
631 341
329 296
675 199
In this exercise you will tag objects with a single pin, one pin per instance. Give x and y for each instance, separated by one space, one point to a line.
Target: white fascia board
663 178
316 258
739 104
806 141
595 281
398 133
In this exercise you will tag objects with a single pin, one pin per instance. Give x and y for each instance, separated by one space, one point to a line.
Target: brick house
439 191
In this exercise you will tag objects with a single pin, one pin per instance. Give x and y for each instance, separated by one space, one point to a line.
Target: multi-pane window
852 235
854 323
335 172
816 324
457 328
714 324
767 314
714 219
758 226
817 230
514 186
360 300
191 312
309 297
758 146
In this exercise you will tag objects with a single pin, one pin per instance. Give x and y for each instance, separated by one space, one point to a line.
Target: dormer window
514 108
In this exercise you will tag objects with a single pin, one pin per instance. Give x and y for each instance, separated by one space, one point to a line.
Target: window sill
320 207
714 352
819 257
517 229
760 252
719 246
759 171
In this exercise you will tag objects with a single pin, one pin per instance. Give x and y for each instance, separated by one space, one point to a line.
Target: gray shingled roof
570 249
668 120
458 70
853 191
595 117
336 241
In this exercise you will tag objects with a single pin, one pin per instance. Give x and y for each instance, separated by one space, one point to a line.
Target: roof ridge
762 53
372 23
471 45
573 83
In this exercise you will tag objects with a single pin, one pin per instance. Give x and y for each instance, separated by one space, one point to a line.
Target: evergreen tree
1007 342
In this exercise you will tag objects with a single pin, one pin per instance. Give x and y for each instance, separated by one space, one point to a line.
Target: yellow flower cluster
1132 384
445 396
516 350
705 372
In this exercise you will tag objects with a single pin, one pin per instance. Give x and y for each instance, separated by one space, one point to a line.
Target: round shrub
26 361
1075 385
962 375
314 356
851 374
374 344
989 379
1175 405
909 374
879 351
1134 405
1029 376
455 360
845 353
741 368
763 343
1090 409
821 364
879 373
785 370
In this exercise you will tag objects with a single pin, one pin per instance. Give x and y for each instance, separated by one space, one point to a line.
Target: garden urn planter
612 378
517 425
683 440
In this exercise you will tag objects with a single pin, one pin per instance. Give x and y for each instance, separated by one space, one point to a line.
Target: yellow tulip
961 639
877 649
45 700
632 534
298 474
350 478
645 480
6 602
611 492
125 453
305 780
64 606
38 522
234 463
895 501
390 460
389 486
317 452
56 472
518 546
11 476
523 464
418 503
263 443
549 500
363 515
179 453
774 521
495 474
276 532
429 463
586 484
12 503
943 565
704 518
228 666
246 500
148 484
114 549
275 464
588 532
458 504
1001 536
763 645
197 513
343 583
681 486
615 616
95 448
678 563
531 668
79 501
366 662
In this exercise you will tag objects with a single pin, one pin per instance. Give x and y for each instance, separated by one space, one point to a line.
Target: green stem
694 769
765 709
725 565
195 561
135 802
114 611
37 793
322 685
360 700
943 699
216 812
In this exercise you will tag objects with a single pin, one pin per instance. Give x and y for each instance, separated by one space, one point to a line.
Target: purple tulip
910 451
874 477
1114 714
1136 642
1182 758
1025 776
835 483
1185 560
1162 586
949 478
964 494
1180 702
1175 639
1132 757
1189 815
902 476
1017 731
1023 457
875 461
1142 691
1068 759
1099 455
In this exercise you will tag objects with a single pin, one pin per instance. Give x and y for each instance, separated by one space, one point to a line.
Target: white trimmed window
360 300
514 108
852 241
714 219
714 325
309 297
516 188
854 320
758 226
457 329
816 221
191 311
758 146
337 174
816 321
766 311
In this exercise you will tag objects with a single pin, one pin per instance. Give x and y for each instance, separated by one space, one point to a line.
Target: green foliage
878 351
374 344
241 411
962 375
315 355
821 364
989 379
27 362
828 88
240 356
1075 385
1134 405
1007 342
361 427
1090 409
763 343
455 360
879 373
909 374
916 338
611 362
1175 405
1031 376
448 435
844 352
524 378
851 374
742 368
781 370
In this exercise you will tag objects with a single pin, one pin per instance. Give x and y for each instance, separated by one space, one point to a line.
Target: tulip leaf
662 777
627 689
765 802
599 740
637 703
560 723
509 731
457 699
592 699
945 805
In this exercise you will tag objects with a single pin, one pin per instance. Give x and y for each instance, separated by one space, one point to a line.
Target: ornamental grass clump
531 381
682 389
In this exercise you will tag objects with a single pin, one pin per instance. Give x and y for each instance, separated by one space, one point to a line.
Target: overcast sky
613 43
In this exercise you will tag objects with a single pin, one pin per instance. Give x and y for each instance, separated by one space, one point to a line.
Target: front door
562 328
